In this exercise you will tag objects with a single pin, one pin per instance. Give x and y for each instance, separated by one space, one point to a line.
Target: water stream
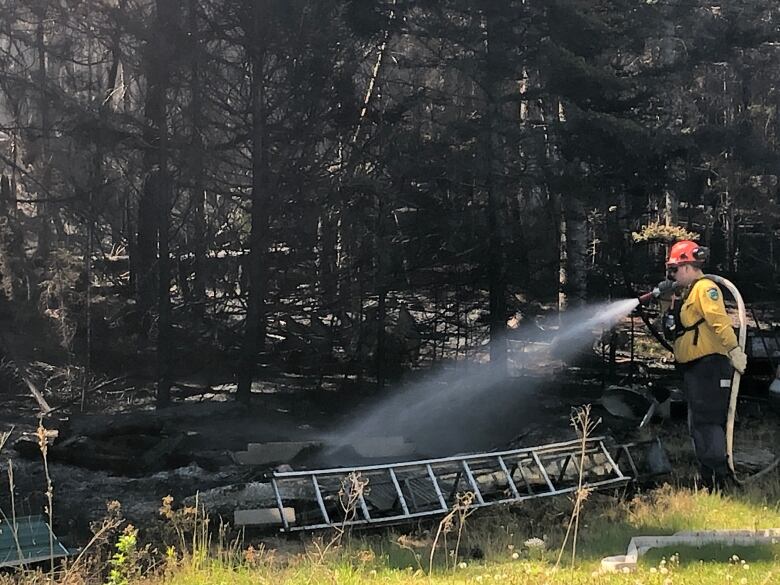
466 406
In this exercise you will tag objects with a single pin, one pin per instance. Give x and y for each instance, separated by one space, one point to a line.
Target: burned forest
311 264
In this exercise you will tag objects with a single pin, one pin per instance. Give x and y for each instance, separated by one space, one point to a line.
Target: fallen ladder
399 492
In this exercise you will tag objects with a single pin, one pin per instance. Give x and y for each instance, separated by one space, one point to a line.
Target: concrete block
263 517
274 452
639 545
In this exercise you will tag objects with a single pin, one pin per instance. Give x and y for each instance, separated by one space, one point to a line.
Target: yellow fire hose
735 380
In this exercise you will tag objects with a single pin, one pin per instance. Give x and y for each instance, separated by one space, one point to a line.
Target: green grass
492 549
496 540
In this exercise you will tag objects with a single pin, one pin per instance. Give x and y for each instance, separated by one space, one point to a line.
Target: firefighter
706 352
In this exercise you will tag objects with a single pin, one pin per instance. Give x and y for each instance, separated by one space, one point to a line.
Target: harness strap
695 329
679 328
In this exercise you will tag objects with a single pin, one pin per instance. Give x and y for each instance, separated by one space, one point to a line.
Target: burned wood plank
141 422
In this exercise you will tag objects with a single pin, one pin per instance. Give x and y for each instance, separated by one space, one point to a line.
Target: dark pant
708 389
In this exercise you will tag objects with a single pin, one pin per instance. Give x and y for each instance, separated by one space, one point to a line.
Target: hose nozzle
648 296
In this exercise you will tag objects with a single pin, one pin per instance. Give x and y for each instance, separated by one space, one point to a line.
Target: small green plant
101 533
123 562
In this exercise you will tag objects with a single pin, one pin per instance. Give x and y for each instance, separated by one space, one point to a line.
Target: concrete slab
639 545
273 452
263 517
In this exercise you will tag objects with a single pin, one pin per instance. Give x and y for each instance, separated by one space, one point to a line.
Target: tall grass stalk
461 510
43 445
14 525
584 425
353 489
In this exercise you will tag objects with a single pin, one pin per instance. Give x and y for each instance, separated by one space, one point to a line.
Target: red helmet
686 252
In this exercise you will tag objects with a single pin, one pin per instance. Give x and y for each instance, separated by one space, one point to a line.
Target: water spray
472 405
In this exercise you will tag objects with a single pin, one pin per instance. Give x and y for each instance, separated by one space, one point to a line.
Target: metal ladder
399 492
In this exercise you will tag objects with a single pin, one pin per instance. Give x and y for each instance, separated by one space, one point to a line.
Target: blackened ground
286 408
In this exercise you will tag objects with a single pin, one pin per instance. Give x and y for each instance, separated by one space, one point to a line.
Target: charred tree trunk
381 351
11 245
728 229
112 100
145 261
381 252
563 260
166 19
14 172
164 335
197 189
145 249
95 190
326 258
154 207
43 207
575 239
347 262
5 195
495 193
254 326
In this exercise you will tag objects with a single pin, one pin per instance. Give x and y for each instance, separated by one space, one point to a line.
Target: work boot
718 483
727 483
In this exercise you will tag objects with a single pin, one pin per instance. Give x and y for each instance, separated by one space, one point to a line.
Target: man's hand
664 289
738 359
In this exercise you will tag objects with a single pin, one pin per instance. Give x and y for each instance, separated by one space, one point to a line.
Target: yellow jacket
704 300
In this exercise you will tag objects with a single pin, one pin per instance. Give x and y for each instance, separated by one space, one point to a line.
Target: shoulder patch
713 293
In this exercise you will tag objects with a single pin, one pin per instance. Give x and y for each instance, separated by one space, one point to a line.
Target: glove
738 359
664 289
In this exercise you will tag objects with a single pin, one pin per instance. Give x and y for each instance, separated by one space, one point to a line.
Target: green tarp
27 541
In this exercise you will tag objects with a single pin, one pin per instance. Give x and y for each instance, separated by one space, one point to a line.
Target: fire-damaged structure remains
393 493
